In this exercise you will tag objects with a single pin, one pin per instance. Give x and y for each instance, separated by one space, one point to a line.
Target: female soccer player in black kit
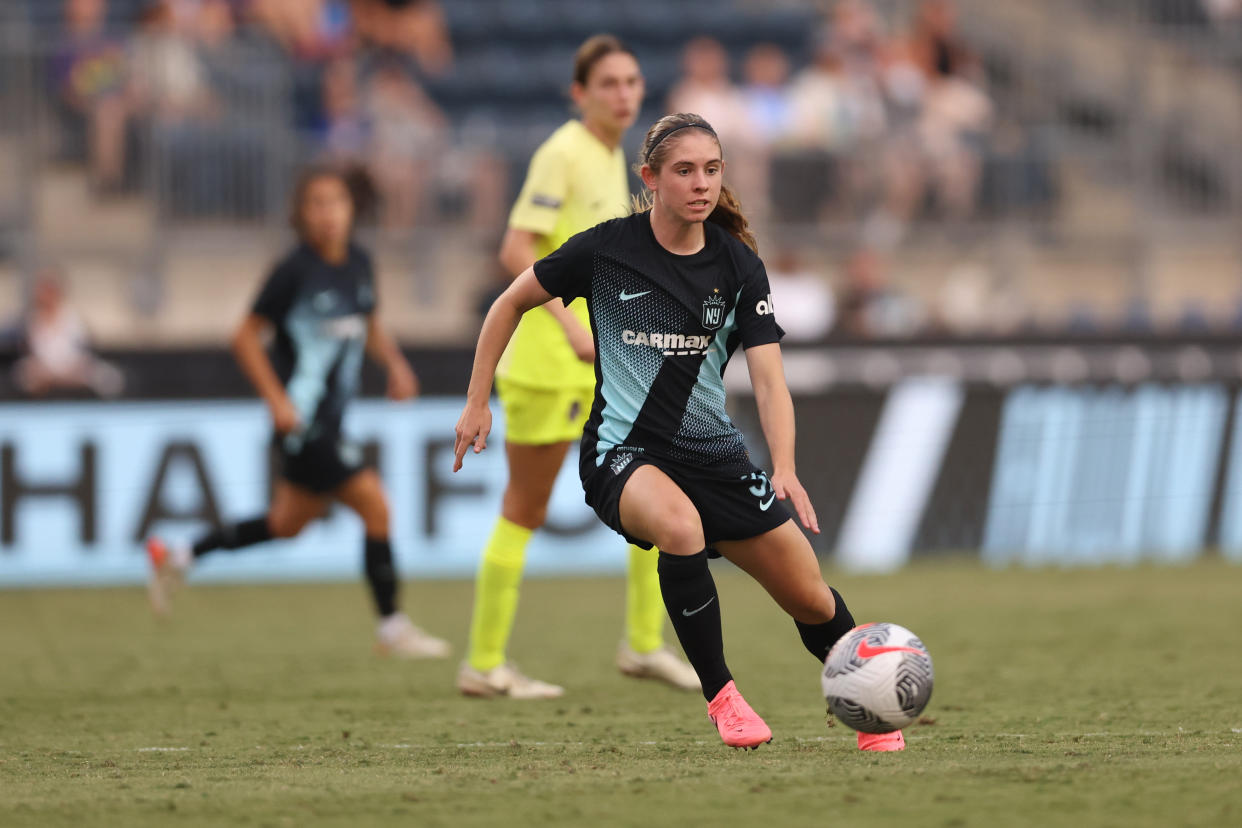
672 291
320 299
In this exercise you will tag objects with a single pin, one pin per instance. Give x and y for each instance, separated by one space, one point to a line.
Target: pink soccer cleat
739 725
881 741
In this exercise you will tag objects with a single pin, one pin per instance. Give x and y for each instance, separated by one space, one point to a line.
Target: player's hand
402 381
285 417
473 427
787 487
582 343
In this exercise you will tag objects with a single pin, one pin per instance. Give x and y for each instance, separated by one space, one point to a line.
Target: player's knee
681 533
532 517
525 511
283 526
812 604
376 516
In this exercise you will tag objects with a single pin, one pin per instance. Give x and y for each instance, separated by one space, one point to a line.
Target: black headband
703 125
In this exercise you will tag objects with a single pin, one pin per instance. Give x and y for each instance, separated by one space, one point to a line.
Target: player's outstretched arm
776 415
476 419
381 347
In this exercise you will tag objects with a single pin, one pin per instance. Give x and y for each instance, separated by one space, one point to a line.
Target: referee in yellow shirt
546 379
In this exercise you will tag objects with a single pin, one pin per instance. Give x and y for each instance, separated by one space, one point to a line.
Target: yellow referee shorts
540 416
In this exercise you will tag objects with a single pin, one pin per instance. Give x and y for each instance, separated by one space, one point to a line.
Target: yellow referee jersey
574 183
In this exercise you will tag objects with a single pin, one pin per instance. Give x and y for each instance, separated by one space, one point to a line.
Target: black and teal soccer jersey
320 312
665 326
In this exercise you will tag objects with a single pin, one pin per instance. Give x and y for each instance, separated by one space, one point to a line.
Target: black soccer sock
381 575
690 598
234 536
819 638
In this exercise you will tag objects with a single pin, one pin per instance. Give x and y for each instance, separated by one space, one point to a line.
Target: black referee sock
234 536
690 598
819 638
381 575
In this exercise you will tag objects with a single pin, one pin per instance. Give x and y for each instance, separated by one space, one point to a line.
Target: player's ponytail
728 214
656 146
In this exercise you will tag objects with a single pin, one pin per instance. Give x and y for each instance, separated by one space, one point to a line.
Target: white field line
845 736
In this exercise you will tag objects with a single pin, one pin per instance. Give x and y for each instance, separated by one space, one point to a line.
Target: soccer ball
877 678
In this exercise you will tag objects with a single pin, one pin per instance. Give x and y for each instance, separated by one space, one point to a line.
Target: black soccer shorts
320 465
731 507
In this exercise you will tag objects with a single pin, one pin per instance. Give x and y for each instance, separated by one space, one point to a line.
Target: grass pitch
1062 698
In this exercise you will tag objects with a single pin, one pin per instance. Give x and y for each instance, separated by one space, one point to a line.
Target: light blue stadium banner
1091 476
82 483
1231 507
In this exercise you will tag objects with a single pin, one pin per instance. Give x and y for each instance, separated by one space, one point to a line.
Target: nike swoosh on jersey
625 297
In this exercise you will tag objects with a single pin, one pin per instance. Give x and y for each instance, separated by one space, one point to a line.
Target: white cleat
504 680
167 574
662 664
399 637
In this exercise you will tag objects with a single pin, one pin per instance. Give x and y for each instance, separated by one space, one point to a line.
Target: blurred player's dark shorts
320 465
731 507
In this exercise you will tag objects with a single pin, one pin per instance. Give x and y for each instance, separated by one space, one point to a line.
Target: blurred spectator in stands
1223 12
58 356
939 124
765 98
413 27
869 305
964 302
938 47
408 135
765 92
837 119
215 23
802 297
387 123
831 109
310 30
89 73
706 89
856 35
344 134
956 113
170 82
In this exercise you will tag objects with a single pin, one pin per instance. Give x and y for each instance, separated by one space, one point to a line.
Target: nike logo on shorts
625 297
764 504
689 613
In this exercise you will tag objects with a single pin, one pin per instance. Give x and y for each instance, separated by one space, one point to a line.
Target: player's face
688 185
327 212
613 92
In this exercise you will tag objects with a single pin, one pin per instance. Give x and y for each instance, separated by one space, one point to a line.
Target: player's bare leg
784 563
292 508
654 508
486 672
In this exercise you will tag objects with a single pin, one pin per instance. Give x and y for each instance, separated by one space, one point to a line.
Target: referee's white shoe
397 636
662 665
504 680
